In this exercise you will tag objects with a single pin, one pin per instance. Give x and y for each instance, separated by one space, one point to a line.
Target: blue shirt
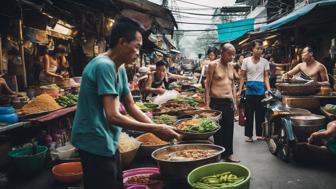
91 131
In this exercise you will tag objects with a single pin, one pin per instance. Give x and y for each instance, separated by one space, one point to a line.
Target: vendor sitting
157 81
327 134
5 87
309 67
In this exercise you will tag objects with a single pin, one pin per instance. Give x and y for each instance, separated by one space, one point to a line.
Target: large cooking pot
305 125
177 171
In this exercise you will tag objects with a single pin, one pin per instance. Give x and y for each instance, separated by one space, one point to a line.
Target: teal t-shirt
91 131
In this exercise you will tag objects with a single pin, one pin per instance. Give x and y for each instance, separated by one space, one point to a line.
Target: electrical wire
200 14
195 4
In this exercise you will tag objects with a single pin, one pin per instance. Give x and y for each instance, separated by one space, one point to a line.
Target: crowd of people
98 122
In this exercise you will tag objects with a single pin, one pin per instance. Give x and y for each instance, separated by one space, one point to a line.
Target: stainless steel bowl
195 136
305 125
177 171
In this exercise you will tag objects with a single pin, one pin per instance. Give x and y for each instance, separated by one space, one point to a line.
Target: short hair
161 63
238 56
310 49
212 50
123 28
256 42
60 49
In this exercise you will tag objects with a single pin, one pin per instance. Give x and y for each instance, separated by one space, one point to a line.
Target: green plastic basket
25 163
217 168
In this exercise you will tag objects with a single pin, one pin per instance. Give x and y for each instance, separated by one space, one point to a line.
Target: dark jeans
224 137
254 106
100 171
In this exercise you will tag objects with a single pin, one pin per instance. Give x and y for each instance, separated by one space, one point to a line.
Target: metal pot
308 120
304 126
177 171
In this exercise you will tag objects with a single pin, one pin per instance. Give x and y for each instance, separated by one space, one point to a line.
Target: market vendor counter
312 102
44 118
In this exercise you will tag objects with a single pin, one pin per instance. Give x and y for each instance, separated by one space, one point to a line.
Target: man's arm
210 72
177 77
242 81
324 75
292 72
113 116
148 86
266 80
234 93
134 111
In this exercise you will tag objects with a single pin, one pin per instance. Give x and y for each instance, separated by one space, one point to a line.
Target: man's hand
238 93
59 77
235 108
166 132
161 91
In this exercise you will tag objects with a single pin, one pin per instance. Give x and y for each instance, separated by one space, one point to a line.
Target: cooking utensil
195 136
177 171
304 126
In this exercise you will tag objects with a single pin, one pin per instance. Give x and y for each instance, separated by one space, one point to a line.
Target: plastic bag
168 95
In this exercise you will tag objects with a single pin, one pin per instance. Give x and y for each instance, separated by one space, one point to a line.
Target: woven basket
298 88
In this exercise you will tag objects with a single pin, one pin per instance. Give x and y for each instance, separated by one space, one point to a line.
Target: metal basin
177 171
304 126
195 136
308 120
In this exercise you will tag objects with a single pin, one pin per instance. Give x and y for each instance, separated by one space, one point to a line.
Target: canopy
296 14
233 30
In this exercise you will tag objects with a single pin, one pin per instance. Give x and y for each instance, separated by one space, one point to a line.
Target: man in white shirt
255 70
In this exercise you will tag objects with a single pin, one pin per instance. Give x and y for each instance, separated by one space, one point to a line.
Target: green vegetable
205 126
164 119
185 100
67 100
147 107
219 180
331 108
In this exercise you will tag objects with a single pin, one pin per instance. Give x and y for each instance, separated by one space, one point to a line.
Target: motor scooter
281 130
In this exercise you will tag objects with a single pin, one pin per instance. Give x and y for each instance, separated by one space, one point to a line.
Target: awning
233 30
296 14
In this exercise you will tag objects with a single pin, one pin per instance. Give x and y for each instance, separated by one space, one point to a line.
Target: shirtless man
220 95
312 68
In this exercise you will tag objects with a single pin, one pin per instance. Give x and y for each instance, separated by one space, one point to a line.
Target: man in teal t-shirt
98 122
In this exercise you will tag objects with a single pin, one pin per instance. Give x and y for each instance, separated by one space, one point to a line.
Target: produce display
177 105
184 100
52 90
42 103
331 108
127 143
164 119
149 139
147 107
67 100
197 125
145 179
189 155
225 179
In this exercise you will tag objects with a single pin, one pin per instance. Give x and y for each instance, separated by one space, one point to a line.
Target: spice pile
149 139
42 103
